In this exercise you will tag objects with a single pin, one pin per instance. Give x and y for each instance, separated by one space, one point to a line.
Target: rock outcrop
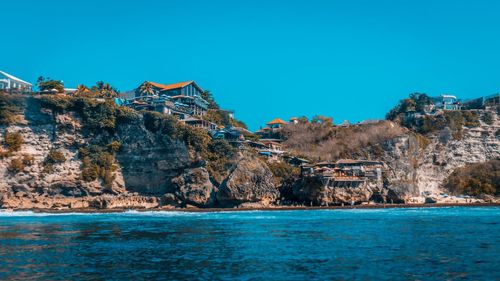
154 170
194 187
313 191
419 164
249 181
416 165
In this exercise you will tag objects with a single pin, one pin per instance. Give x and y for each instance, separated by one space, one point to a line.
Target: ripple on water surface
392 244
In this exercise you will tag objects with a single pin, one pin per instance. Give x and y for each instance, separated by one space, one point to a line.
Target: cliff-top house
276 123
182 99
9 82
447 102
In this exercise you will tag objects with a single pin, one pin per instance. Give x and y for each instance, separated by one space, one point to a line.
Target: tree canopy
47 84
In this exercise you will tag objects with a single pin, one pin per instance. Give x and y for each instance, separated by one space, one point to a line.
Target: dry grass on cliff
475 179
323 142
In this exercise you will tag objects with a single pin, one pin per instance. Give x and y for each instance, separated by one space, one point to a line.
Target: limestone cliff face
416 165
149 161
152 170
156 171
250 181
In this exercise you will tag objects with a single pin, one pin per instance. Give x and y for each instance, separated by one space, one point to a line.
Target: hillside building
9 82
447 102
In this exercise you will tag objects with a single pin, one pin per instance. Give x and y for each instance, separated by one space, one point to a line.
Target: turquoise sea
453 243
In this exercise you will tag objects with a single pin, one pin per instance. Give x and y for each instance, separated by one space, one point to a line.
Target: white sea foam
10 213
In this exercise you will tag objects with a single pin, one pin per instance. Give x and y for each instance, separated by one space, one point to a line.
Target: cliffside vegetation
99 117
321 141
219 154
475 179
416 102
10 107
406 111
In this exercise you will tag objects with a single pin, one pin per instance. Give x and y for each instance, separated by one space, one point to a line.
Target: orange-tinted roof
171 86
276 121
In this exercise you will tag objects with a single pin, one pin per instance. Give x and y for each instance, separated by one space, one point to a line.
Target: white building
447 102
9 82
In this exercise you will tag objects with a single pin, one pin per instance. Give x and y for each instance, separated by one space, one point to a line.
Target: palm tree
147 89
108 91
81 90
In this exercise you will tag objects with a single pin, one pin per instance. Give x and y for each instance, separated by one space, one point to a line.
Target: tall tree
47 84
147 89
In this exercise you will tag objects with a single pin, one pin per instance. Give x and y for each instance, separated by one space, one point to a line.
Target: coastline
274 208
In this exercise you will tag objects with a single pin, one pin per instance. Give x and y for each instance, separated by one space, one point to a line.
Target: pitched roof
165 87
13 77
276 121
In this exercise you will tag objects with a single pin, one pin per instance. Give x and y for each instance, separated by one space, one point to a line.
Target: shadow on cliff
149 161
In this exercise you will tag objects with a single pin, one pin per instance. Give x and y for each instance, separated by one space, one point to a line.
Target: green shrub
114 146
47 84
98 163
475 179
455 120
90 171
488 118
219 155
99 116
16 165
284 173
55 157
422 141
457 135
5 154
48 168
153 120
195 138
14 141
28 160
126 114
10 107
416 102
471 118
166 124
56 103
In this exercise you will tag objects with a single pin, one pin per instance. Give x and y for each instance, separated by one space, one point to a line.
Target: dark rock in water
194 187
250 181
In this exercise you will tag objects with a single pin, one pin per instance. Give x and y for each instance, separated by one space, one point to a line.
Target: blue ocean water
384 244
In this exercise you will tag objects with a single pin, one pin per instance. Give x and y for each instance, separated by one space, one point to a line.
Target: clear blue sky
347 59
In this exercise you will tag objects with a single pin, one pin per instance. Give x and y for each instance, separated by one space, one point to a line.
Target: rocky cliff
66 159
416 165
151 169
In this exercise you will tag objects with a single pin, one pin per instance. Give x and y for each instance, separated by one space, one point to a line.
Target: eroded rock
250 181
194 187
